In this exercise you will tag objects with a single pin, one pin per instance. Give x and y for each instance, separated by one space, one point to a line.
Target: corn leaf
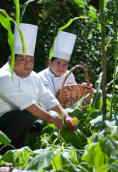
5 21
16 2
24 8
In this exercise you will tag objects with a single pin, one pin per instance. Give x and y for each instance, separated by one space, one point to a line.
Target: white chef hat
63 45
30 34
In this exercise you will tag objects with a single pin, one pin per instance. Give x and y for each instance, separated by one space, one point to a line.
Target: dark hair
53 58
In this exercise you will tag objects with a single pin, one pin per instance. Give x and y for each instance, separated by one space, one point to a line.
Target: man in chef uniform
53 76
19 97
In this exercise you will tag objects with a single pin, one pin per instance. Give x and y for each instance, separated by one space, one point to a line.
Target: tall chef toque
63 45
30 34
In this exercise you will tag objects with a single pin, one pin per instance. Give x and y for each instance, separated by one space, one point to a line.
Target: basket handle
75 67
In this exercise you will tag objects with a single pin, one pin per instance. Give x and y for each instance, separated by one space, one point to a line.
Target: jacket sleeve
46 97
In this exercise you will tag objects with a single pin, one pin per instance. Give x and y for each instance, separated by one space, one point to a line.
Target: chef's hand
58 122
68 121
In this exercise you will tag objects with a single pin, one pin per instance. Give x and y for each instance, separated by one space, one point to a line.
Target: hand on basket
70 123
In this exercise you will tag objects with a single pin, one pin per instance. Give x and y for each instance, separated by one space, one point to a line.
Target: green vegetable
77 138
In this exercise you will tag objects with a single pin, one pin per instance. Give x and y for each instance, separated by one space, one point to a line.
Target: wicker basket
70 94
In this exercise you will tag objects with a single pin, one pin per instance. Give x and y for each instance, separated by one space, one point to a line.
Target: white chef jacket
20 93
54 83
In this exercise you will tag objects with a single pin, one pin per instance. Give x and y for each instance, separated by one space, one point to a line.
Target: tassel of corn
75 121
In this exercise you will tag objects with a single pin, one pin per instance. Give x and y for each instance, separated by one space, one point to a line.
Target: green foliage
41 161
80 3
24 8
5 21
94 146
94 156
102 152
77 138
16 2
66 151
87 50
4 139
115 54
19 158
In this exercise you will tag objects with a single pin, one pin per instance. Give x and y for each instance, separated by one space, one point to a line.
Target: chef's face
58 66
23 65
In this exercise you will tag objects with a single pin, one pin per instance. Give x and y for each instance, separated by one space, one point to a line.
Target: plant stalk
103 31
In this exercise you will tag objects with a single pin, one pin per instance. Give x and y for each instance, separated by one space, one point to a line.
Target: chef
19 97
53 76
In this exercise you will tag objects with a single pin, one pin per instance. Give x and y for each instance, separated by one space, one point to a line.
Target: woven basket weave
70 94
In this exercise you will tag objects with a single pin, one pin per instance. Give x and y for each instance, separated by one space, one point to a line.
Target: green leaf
97 94
22 39
16 2
8 157
108 148
116 4
77 138
74 157
4 139
103 168
41 161
44 1
5 21
116 50
114 166
56 163
80 3
94 156
92 12
24 7
105 2
67 163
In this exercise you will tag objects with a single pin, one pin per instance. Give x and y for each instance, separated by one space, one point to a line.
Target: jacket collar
50 72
